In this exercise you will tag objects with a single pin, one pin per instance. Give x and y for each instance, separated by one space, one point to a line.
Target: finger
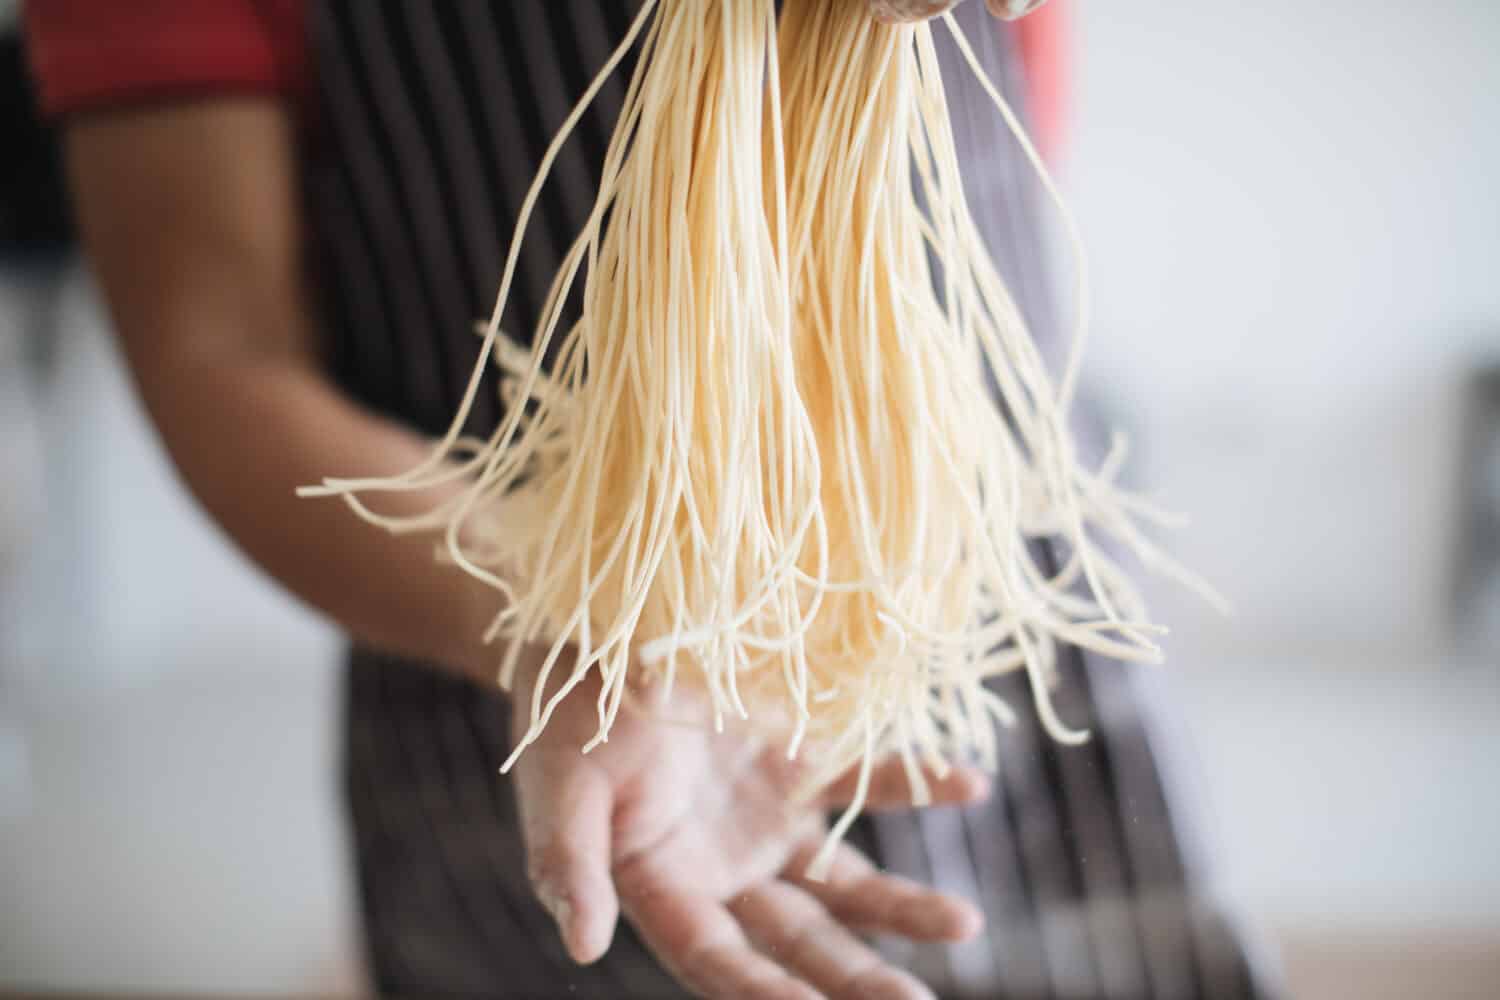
788 924
898 11
862 897
1009 10
890 787
699 942
565 819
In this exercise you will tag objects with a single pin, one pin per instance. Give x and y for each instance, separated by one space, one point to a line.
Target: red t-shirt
95 54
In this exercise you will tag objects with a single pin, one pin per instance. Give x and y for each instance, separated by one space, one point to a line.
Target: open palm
690 834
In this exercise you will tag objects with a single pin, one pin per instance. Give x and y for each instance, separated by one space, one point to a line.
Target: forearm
190 215
246 433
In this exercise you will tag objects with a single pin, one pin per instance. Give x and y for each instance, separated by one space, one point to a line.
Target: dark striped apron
434 116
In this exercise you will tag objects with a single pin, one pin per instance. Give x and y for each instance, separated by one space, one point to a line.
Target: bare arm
191 219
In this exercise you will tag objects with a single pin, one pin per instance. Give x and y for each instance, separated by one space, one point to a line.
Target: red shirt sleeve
95 54
1045 38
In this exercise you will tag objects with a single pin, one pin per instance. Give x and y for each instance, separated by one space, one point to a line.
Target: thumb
565 819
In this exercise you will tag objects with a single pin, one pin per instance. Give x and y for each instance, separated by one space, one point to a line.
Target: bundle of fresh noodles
770 460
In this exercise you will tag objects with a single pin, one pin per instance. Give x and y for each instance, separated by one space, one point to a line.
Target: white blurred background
1292 213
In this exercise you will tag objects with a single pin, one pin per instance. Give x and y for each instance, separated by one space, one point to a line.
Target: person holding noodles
296 208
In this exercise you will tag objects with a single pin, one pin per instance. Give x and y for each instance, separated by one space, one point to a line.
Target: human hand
691 836
893 11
